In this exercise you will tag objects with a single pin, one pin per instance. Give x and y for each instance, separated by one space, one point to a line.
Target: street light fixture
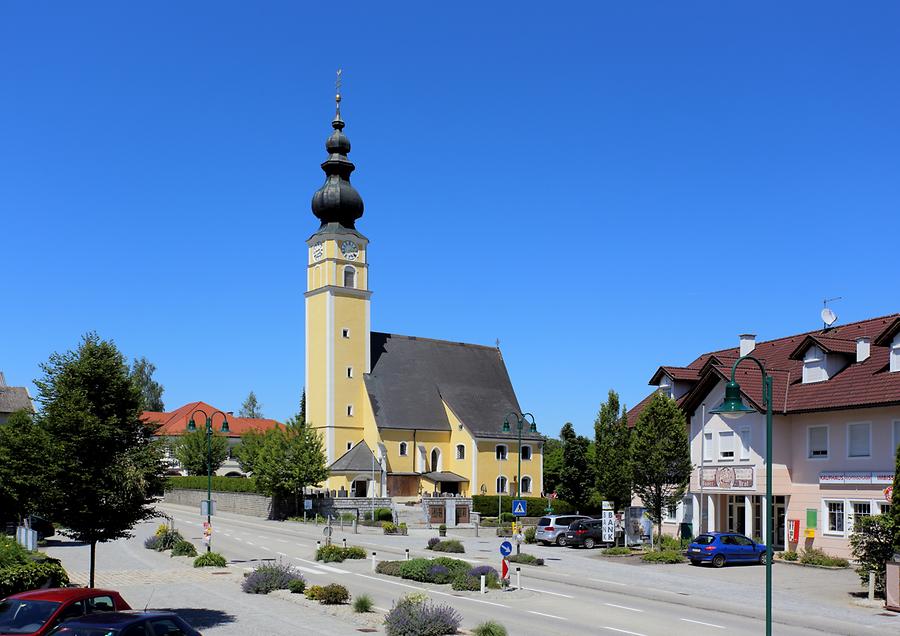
191 427
733 407
520 422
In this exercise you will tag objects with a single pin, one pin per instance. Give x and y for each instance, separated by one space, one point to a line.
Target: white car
552 528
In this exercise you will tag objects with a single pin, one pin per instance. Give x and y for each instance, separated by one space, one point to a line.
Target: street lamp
733 407
191 427
520 422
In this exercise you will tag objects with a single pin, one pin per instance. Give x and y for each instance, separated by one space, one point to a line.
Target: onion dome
337 201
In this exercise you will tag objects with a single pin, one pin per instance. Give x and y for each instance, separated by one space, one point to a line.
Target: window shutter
858 444
818 441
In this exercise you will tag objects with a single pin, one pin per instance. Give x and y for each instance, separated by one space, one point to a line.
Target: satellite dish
828 316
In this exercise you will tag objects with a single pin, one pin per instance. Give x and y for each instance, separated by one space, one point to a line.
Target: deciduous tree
141 373
577 475
662 467
290 459
27 484
613 453
248 450
553 463
191 451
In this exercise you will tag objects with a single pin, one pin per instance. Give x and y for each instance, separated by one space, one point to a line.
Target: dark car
585 532
552 528
37 612
43 527
150 623
720 548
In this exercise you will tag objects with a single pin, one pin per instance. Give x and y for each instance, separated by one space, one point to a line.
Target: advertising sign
608 525
637 525
856 477
727 477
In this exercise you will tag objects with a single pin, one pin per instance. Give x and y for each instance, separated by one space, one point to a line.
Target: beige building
836 429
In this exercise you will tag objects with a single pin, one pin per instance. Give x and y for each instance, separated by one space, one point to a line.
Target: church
400 416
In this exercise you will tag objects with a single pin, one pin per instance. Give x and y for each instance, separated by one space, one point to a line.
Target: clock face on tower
318 250
350 250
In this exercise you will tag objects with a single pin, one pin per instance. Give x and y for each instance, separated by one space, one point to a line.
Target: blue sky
586 182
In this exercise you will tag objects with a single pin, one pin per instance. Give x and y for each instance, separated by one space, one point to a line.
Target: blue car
720 548
150 623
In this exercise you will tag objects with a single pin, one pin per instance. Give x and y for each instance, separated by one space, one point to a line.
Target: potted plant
442 530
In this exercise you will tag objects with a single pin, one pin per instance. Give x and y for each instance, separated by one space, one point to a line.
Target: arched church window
460 451
501 484
501 451
404 449
526 484
435 459
526 452
349 276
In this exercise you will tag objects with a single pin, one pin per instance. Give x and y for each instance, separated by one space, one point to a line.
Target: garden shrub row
486 505
447 545
442 570
221 484
30 575
389 527
527 559
336 554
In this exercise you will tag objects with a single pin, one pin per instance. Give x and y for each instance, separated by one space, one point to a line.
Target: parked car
720 548
37 612
552 528
585 533
43 527
150 623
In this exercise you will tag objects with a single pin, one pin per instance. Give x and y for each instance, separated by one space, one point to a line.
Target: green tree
553 463
577 475
872 544
302 413
26 480
142 371
103 456
191 452
251 407
662 467
290 459
248 450
612 439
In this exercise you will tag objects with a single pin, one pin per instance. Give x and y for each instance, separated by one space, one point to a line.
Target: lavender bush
269 577
433 541
413 617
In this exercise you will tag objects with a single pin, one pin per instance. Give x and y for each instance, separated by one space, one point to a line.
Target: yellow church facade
399 415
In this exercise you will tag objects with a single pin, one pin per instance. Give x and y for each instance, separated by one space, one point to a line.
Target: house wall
489 467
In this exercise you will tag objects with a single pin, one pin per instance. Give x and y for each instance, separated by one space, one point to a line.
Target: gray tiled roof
357 459
14 398
412 377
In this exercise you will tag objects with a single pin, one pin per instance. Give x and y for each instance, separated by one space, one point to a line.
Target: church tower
337 304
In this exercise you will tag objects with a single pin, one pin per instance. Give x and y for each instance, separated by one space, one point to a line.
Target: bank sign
856 477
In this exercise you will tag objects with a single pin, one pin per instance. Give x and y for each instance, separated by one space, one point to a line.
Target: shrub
210 560
152 542
618 550
415 569
466 583
490 628
166 539
789 555
20 577
412 617
486 505
383 514
335 553
433 541
11 553
471 580
507 517
529 536
184 548
668 543
665 556
456 566
297 586
222 484
403 528
391 568
816 556
389 527
269 577
313 592
527 559
363 604
872 544
439 574
484 569
450 545
334 594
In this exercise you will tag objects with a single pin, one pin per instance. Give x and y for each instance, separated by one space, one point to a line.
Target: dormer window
895 354
666 388
814 366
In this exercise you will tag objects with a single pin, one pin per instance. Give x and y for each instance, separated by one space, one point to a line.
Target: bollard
342 525
318 545
345 543
373 561
482 584
317 519
407 554
518 578
355 530
871 585
476 529
304 516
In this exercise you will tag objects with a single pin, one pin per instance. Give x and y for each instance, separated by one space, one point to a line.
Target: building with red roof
836 428
175 423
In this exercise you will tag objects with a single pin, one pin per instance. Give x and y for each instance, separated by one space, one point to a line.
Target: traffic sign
327 531
506 548
519 507
504 570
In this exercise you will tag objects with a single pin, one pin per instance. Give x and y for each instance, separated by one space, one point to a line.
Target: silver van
552 528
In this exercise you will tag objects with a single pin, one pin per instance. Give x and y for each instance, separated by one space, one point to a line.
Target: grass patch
210 560
527 559
363 604
618 550
815 556
664 556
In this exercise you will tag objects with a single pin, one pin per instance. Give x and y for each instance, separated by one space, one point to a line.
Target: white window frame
349 445
851 515
867 456
894 363
349 410
462 455
881 505
827 442
727 434
530 484
530 452
826 519
345 333
349 373
349 269
403 449
505 452
669 516
708 447
505 488
745 442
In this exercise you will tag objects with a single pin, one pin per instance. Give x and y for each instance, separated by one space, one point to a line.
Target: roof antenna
828 316
498 343
152 590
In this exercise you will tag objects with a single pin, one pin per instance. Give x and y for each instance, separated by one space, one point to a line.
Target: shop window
858 510
835 517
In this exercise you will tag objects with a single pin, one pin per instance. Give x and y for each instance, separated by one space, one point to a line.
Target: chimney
748 343
862 349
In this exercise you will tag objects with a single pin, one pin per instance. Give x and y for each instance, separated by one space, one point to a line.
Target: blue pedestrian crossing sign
505 548
519 507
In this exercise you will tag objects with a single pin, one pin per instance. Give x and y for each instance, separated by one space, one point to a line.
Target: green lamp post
733 407
191 427
520 422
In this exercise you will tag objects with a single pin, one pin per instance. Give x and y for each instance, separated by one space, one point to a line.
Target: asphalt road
577 593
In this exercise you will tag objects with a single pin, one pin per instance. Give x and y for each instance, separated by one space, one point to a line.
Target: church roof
358 459
412 378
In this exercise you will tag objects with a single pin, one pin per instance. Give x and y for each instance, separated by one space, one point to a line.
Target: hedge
30 576
486 505
221 484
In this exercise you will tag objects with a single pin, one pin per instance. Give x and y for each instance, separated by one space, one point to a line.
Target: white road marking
248 543
422 589
309 570
702 623
282 541
621 631
547 615
610 582
531 589
282 554
265 548
328 568
630 609
380 609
